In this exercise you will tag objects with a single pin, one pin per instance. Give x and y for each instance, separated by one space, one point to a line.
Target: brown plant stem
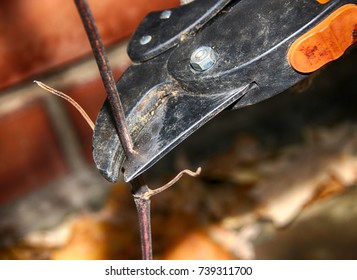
106 74
142 203
141 192
139 187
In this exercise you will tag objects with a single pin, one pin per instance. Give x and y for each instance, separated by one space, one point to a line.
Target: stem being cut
141 192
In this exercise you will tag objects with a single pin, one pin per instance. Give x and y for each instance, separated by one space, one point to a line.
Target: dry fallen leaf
238 242
237 164
297 175
98 239
111 233
215 217
198 245
51 238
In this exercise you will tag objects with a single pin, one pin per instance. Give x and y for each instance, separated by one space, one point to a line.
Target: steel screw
165 14
203 59
145 39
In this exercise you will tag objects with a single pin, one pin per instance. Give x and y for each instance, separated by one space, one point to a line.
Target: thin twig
69 99
151 192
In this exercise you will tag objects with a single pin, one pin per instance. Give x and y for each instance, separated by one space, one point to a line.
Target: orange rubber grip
325 42
323 1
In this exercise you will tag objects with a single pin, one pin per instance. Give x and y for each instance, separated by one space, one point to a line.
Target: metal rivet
165 14
203 58
145 39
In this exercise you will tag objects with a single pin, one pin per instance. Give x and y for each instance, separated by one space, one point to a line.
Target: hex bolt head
165 14
203 59
145 39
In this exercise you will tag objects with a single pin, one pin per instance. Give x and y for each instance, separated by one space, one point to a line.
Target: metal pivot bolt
165 14
203 58
145 39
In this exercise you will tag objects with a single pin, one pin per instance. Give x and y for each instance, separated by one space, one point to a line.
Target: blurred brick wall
42 138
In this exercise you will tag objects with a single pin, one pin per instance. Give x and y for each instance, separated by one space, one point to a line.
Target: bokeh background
278 182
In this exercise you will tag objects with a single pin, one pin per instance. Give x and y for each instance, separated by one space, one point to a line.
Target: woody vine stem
141 192
139 187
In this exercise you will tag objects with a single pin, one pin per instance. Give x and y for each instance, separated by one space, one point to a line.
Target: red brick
36 36
29 153
90 96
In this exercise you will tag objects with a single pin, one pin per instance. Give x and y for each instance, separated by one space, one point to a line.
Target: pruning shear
194 61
